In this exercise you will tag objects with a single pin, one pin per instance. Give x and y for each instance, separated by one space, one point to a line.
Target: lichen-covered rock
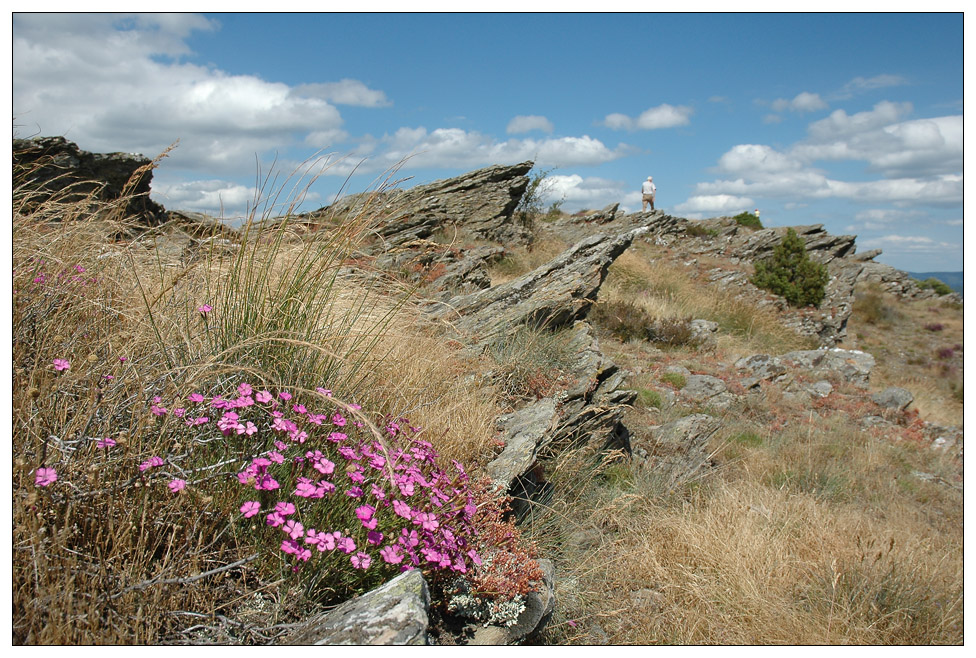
524 432
893 398
680 448
55 167
701 388
393 614
852 366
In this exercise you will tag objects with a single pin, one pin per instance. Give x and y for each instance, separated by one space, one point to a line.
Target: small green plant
932 283
676 379
532 203
649 398
791 274
748 220
748 439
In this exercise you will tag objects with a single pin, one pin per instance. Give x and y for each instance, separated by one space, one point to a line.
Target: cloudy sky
854 121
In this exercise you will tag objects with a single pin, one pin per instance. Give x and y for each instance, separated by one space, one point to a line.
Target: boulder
393 614
852 366
53 167
894 398
762 367
701 388
680 449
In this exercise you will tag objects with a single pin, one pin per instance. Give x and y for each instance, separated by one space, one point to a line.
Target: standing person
648 190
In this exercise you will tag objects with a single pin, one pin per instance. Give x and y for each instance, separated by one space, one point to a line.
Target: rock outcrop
553 295
482 201
53 167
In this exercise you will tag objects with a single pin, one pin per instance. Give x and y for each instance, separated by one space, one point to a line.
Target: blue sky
854 121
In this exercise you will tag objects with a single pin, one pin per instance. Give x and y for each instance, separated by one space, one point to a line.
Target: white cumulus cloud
802 102
525 124
655 118
715 204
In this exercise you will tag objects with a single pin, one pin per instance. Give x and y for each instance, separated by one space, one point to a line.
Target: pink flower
402 509
158 410
61 364
250 508
391 554
365 512
176 485
293 529
274 519
195 398
338 420
324 391
285 395
149 463
346 545
206 308
45 476
361 560
264 397
285 508
245 389
426 521
105 443
374 537
474 557
299 409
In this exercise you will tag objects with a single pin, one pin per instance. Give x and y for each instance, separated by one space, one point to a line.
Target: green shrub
748 220
932 283
791 274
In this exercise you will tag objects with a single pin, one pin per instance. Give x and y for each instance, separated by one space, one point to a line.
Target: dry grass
912 342
800 537
669 291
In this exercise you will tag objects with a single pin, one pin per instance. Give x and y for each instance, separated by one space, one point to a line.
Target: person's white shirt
648 188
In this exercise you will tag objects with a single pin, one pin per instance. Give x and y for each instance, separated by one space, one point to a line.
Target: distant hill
952 279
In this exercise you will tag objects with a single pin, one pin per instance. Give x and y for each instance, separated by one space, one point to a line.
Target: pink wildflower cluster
384 505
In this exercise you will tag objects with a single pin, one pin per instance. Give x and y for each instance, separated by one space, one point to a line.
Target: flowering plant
330 491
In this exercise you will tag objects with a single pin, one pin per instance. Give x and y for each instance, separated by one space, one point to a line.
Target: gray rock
700 388
853 366
393 614
680 449
677 370
893 398
820 389
524 433
762 366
